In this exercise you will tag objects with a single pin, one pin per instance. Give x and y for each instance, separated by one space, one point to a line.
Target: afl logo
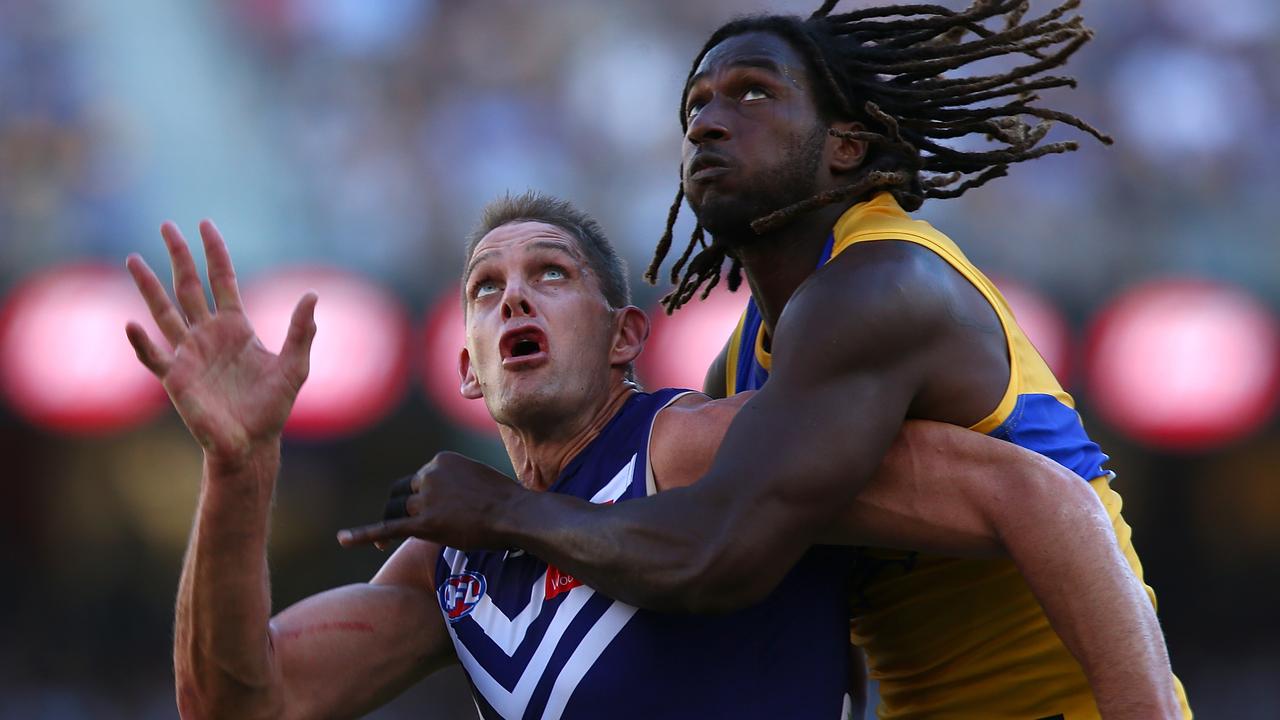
460 593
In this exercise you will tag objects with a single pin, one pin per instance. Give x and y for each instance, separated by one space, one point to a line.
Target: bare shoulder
899 310
686 435
899 287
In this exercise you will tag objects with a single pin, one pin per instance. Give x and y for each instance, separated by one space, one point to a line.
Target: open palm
233 393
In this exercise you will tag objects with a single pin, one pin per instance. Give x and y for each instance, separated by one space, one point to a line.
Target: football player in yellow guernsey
945 637
807 141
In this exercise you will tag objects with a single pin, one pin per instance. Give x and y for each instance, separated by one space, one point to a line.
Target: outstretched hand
233 394
453 500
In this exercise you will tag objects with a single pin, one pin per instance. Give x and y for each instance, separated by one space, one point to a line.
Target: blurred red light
1040 319
359 359
1185 364
682 345
64 361
443 337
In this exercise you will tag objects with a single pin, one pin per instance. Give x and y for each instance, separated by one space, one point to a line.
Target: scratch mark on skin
327 627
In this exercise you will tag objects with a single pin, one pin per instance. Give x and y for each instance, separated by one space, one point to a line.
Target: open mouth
523 346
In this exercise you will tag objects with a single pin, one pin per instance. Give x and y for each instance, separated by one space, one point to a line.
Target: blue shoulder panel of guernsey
537 643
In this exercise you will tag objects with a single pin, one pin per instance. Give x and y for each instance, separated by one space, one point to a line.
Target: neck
776 264
539 457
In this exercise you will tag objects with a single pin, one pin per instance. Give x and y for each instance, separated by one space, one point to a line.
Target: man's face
539 329
755 140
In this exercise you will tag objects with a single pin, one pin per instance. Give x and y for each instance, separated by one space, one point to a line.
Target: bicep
799 451
348 650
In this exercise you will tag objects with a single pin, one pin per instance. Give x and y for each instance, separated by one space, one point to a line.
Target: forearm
652 557
1062 540
954 492
223 659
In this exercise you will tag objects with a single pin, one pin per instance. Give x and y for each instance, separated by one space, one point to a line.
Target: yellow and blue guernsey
959 638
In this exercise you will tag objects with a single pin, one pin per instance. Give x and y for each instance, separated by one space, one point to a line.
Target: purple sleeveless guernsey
536 643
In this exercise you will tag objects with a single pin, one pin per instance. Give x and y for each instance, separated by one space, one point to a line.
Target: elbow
725 596
217 694
1049 496
725 560
1072 497
190 706
718 581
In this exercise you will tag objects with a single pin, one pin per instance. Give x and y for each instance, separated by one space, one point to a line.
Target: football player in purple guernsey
551 338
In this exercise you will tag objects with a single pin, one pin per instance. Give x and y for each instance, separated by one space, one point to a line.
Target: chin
725 217
529 410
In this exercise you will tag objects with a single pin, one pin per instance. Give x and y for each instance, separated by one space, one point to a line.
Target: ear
470 385
845 154
630 332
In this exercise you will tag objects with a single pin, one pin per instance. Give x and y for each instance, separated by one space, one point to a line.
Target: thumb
295 354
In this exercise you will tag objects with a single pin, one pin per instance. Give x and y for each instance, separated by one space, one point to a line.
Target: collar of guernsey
1034 412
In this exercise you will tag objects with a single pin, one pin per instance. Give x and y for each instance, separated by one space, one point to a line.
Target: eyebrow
762 62
558 245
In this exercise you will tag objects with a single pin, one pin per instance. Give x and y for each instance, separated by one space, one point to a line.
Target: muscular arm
960 491
333 655
950 491
346 651
337 654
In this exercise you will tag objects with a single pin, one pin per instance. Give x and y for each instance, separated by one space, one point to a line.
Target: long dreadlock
892 60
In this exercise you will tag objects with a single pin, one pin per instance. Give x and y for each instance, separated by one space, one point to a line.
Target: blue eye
485 287
553 273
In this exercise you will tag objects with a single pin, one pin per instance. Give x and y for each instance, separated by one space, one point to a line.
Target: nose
515 302
708 124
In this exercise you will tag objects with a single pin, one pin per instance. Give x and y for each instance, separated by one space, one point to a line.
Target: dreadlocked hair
884 68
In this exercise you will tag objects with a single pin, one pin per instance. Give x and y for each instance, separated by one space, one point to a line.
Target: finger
167 317
402 506
378 532
222 274
156 359
413 505
186 281
403 486
295 354
397 507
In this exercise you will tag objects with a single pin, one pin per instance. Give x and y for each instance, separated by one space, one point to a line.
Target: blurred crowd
366 134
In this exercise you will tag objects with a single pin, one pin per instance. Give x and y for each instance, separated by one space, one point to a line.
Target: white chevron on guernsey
507 633
591 647
513 704
614 489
